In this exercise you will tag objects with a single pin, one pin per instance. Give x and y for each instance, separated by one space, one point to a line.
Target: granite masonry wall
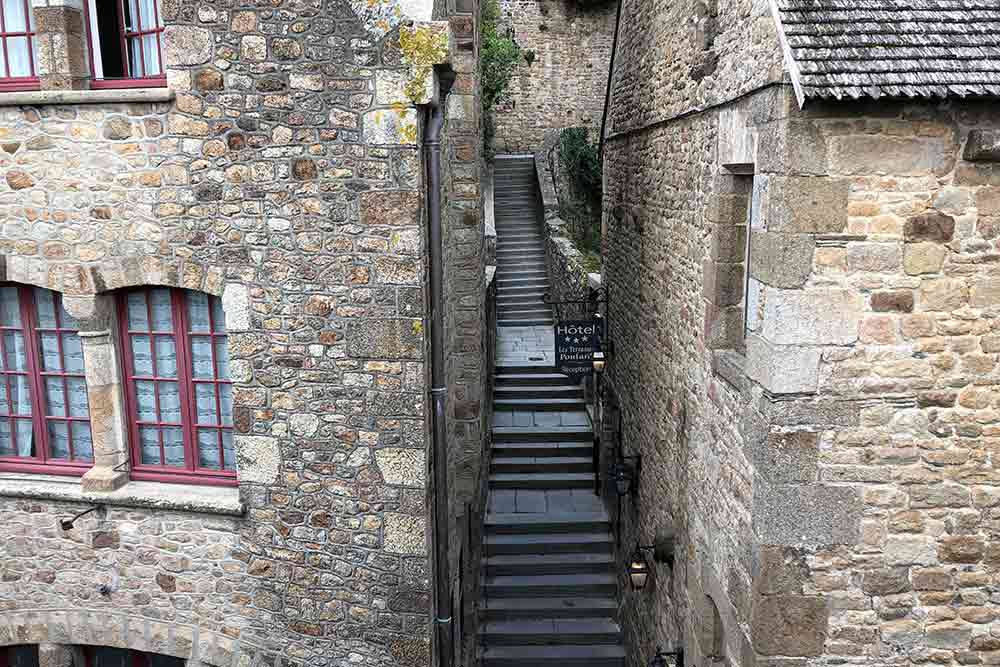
281 171
566 83
816 445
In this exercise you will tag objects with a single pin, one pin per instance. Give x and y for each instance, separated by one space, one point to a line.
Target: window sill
102 96
730 365
146 495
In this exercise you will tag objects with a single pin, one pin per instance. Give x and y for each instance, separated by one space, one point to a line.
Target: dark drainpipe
607 92
443 626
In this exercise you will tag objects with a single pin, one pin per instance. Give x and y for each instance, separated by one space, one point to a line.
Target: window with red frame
108 656
179 393
19 656
17 46
44 416
125 43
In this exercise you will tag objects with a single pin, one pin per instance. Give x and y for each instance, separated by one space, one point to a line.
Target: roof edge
786 50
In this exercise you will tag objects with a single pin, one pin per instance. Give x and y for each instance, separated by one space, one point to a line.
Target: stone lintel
809 411
792 147
812 317
806 204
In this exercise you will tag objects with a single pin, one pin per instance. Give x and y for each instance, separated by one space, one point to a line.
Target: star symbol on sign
576 340
568 339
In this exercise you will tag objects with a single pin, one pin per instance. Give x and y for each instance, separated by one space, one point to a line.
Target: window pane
205 400
49 342
222 358
4 405
15 16
142 356
218 316
163 318
208 449
83 442
158 660
20 656
3 60
25 438
45 304
59 439
226 403
18 56
151 54
201 357
55 397
7 447
20 395
10 307
137 316
106 656
166 357
77 397
16 359
170 402
227 450
72 353
149 445
173 446
198 311
145 398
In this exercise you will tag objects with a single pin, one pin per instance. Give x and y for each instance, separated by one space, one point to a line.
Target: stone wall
822 466
281 171
566 83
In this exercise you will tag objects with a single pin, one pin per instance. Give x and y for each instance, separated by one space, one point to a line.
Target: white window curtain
144 52
17 19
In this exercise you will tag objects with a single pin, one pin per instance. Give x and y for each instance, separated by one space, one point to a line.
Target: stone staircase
521 276
550 590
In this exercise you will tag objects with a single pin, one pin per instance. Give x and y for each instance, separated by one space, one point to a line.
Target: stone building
564 84
215 327
802 205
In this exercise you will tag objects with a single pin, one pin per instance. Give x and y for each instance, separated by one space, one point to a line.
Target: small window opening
125 42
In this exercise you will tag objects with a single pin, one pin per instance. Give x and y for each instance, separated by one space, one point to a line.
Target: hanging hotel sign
576 342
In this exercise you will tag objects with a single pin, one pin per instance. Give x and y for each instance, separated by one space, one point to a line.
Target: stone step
556 465
509 450
522 523
539 391
572 655
521 309
521 299
519 292
551 632
560 585
548 608
568 480
540 404
531 281
542 434
558 543
535 313
524 370
538 564
532 379
526 322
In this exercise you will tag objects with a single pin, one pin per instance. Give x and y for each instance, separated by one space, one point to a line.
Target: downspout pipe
607 92
443 625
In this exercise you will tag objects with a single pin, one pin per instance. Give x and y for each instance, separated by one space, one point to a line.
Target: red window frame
43 462
182 335
15 83
130 81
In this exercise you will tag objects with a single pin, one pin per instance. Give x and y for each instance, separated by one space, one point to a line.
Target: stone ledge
115 96
151 495
730 365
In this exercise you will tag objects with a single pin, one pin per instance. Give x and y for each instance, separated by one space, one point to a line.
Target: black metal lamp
638 569
625 475
600 361
660 659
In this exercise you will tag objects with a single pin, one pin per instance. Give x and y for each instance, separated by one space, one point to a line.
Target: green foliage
580 206
498 56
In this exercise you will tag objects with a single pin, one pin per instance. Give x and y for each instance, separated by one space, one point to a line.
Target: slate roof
896 48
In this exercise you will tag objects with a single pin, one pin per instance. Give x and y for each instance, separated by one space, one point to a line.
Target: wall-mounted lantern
625 474
600 361
660 659
638 567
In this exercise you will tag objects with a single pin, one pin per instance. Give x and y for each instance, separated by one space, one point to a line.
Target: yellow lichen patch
408 133
423 47
418 327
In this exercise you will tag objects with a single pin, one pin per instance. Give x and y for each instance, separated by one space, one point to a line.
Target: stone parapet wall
566 84
569 279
